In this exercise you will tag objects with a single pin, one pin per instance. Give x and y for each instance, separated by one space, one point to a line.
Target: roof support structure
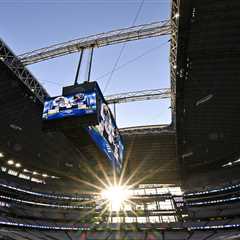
147 130
139 96
173 55
16 64
155 29
24 75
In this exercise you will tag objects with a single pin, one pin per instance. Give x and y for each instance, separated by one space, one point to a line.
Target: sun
116 196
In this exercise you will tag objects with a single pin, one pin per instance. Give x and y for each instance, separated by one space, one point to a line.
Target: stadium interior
178 182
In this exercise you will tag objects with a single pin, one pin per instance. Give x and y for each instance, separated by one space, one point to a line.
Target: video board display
82 114
75 105
106 135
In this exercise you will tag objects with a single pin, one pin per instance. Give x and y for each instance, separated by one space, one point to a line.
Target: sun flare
116 196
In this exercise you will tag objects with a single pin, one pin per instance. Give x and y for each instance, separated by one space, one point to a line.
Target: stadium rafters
147 130
139 96
173 55
150 30
24 75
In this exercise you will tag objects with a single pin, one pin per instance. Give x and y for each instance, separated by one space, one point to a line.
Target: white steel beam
139 96
155 29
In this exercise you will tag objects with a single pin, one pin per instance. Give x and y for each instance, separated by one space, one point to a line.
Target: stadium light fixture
176 15
54 177
18 165
10 162
116 197
1 155
44 175
227 164
237 161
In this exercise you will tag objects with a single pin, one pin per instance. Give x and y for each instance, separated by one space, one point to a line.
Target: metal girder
147 130
24 75
100 40
139 96
173 54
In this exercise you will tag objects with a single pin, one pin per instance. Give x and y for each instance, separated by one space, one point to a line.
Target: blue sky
31 24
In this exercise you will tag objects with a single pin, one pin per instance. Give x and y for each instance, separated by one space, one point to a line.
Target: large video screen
106 135
81 108
74 105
